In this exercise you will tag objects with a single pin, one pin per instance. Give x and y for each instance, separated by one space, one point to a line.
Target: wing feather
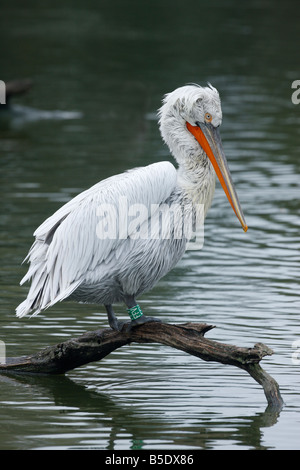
67 246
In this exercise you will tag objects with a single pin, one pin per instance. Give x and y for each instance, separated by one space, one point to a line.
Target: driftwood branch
188 337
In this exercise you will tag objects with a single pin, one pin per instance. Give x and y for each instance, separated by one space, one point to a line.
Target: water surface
100 70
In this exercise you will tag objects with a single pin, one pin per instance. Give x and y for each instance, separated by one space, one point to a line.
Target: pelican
70 259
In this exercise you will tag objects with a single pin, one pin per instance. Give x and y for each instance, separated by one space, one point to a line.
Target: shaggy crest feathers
187 104
191 102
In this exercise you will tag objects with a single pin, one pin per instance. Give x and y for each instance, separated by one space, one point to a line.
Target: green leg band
135 312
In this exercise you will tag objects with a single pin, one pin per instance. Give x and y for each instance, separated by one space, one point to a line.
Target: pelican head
189 120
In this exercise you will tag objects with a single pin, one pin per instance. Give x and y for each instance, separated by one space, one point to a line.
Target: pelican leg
114 323
134 307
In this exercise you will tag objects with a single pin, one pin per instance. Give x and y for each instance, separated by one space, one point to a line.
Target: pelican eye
208 117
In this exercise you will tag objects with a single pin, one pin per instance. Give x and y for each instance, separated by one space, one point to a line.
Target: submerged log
188 337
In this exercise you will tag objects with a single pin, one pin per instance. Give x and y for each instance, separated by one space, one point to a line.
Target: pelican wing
88 230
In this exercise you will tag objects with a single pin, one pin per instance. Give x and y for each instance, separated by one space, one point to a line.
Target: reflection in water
15 116
18 116
102 420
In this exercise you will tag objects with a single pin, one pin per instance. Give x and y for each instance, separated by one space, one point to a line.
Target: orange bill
209 138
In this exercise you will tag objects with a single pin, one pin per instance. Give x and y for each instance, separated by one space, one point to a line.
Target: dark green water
100 69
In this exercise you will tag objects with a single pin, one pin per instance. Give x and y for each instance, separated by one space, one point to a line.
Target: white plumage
72 258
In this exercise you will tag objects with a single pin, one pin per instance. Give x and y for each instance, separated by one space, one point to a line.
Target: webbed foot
140 321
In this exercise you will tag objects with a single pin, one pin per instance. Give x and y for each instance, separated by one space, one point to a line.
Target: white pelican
70 260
